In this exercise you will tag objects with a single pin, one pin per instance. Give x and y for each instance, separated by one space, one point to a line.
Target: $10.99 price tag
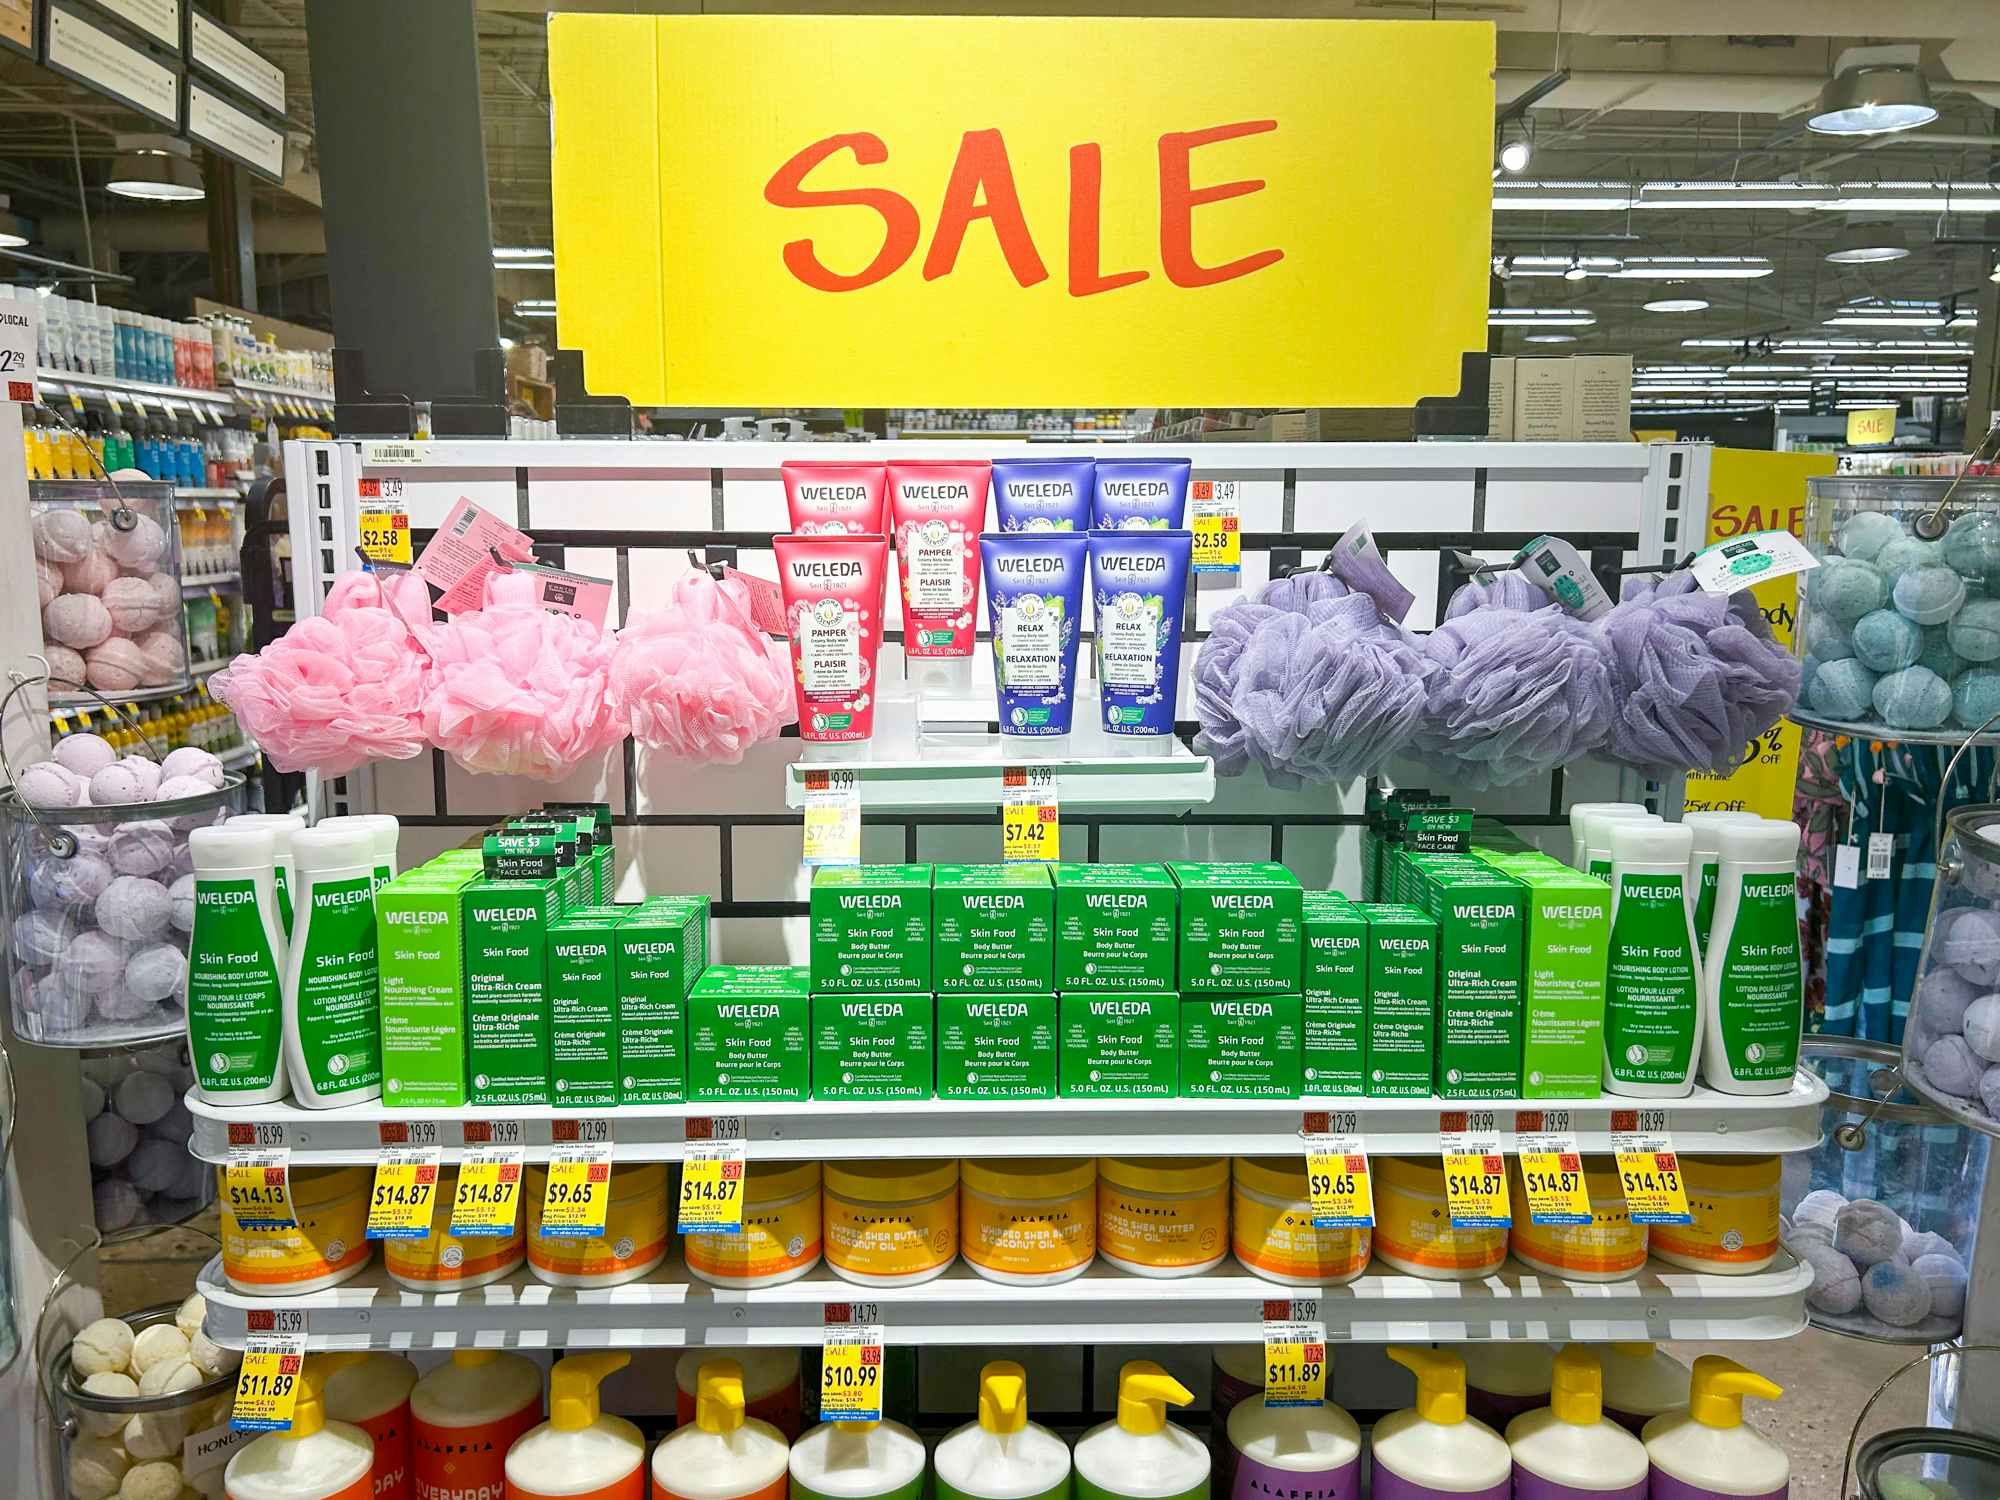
1343 1196
1551 1167
578 1191
850 1363
1648 1168
405 1194
267 1382
1030 827
1475 1173
258 1187
712 1169
1294 1353
833 818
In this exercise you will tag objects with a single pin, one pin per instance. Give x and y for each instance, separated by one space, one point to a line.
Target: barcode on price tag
1294 1353
1551 1167
1030 822
850 1363
833 818
405 1195
257 1185
1648 1167
1881 850
1215 514
1475 1173
712 1181
267 1382
1337 1179
578 1192
489 1192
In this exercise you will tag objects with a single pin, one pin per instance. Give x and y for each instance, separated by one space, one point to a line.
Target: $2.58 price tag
833 818
1214 513
1294 1353
405 1194
1551 1167
1475 1173
1030 827
1337 1180
578 1192
1648 1167
385 534
850 1363
258 1187
489 1192
712 1183
267 1382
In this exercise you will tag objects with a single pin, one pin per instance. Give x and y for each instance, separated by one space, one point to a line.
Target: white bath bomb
102 1348
41 936
93 960
191 1315
1982 1027
189 760
48 582
111 1384
62 1007
162 1341
89 573
91 1092
1945 1276
78 621
46 784
118 1004
1809 1231
181 893
135 908
66 668
133 606
143 1097
210 1357
85 754
1836 1284
118 784
158 1480
143 848
154 1435
155 974
138 549
62 536
175 787
1868 1232
1921 1242
69 885
1896 1294
96 1468
1967 939
110 1139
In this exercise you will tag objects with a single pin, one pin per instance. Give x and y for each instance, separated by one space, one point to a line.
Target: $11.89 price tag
1648 1167
267 1382
1551 1167
850 1363
578 1192
405 1194
1030 824
1294 1353
258 1187
1337 1180
1475 1173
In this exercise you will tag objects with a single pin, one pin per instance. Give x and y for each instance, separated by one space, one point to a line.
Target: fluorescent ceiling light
1867 245
1570 197
1695 268
534 312
1830 197
1550 338
1540 317
1731 195
1837 346
155 169
1873 100
521 252
1676 305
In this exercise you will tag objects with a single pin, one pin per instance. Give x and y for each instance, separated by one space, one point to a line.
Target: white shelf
290 392
1705 1122
145 389
1101 1306
207 494
237 759
212 581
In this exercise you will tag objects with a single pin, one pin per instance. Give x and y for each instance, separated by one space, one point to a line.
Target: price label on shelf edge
1475 1173
385 534
492 1133
578 1192
833 819
1649 1169
267 1382
1337 1178
1215 516
488 1196
1294 1353
257 1184
1551 1167
712 1187
1030 819
850 1363
405 1195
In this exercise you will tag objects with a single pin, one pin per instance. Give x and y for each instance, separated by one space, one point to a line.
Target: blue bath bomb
1886 641
1975 632
1973 546
1938 655
1982 1027
1945 1276
1968 939
1867 532
1866 1231
1975 696
1905 553
1930 596
1951 1067
1896 1294
1941 1000
1846 590
1828 639
1843 690
1914 698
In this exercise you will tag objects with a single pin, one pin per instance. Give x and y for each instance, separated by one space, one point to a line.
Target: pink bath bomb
78 621
62 536
165 661
115 666
142 848
48 582
132 605
167 589
65 668
85 754
46 784
90 573
148 773
136 909
190 760
176 787
116 785
139 549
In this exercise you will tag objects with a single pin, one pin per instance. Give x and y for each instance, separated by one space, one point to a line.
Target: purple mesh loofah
1221 732
1695 677
1506 590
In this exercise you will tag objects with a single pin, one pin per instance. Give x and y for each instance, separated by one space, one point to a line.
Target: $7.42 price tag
1342 1193
258 1187
578 1191
1294 1353
1551 1167
850 1363
712 1187
1475 1173
267 1382
1648 1167
405 1193
489 1192
833 819
1030 827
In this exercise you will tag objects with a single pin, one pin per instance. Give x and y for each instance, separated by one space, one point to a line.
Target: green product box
1400 1054
1114 927
1336 993
593 818
420 952
748 1033
661 949
871 929
1481 916
872 1046
1241 1046
583 1009
572 854
993 928
1118 1045
1567 952
996 1046
1239 928
506 989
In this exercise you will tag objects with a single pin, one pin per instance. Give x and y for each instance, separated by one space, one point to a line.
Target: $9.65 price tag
1294 1353
258 1187
1343 1196
1030 827
405 1194
1648 1167
850 1363
578 1192
1475 1173
267 1382
1551 1167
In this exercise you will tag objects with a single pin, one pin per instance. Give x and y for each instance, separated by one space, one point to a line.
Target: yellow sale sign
1870 426
985 211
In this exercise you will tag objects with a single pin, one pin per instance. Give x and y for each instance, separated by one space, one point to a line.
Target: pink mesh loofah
699 679
335 692
518 691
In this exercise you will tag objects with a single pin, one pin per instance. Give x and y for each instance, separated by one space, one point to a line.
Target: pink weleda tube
835 499
936 512
833 608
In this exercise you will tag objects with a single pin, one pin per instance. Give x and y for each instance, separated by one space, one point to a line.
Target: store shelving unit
61 384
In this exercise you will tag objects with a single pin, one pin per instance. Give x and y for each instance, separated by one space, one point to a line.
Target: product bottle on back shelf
722 1454
1755 984
1653 986
1002 1456
1141 1455
1569 1449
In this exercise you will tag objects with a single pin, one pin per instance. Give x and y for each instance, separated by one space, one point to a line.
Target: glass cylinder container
108 572
1951 1038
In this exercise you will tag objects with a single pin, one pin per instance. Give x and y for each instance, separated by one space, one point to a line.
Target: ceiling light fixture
1677 305
1867 245
1515 147
1540 317
15 231
1550 338
1873 100
1694 268
1574 271
155 169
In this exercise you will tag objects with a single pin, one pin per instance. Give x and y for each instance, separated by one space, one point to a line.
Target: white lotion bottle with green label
333 1013
1597 828
386 833
1755 984
284 827
1577 811
1707 828
1653 990
236 967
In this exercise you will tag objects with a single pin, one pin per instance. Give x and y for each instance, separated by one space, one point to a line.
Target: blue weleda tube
1034 598
1140 493
1139 580
1042 494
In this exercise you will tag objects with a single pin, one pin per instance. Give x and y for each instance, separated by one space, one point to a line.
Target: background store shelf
237 759
102 385
227 496
1706 1122
1102 1306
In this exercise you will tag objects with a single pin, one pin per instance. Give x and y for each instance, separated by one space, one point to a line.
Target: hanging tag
139 405
1475 1173
1742 561
1294 1353
579 1185
1215 514
405 1195
258 1186
1847 867
267 1382
385 534
712 1176
1343 1196
489 1192
833 818
1029 825
1648 1167
850 1363
1357 562
1881 849
75 401
1551 1167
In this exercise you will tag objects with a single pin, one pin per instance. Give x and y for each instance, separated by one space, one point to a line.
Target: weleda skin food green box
1335 982
871 929
1401 1051
583 1007
1116 1045
1240 1046
1240 929
993 928
507 988
662 949
872 1046
996 1046
1114 927
748 1033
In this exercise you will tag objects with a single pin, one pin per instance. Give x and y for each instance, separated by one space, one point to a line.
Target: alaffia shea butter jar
1413 1229
634 1239
441 1261
1031 1222
1609 1248
1272 1231
780 1237
1163 1216
1734 1201
891 1223
327 1245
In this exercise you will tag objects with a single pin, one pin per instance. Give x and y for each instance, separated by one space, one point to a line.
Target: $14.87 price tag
267 1382
1475 1173
1648 1167
489 1192
258 1186
1551 1167
578 1192
1030 827
405 1194
1343 1196
833 818
850 1363
1294 1353
712 1183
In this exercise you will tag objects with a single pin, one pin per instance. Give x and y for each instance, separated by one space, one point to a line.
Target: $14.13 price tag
489 1192
833 818
1294 1353
267 1382
712 1186
1343 1196
850 1363
578 1192
1475 1173
258 1186
1030 827
1648 1167
1551 1167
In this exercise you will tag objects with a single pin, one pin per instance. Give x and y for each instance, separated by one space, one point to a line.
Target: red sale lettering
1086 194
900 225
1179 200
982 168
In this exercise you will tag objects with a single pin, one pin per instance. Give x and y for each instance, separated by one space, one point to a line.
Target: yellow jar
780 1237
635 1231
1413 1230
1163 1215
1272 1231
1734 1200
891 1223
1031 1222
327 1245
1609 1248
441 1262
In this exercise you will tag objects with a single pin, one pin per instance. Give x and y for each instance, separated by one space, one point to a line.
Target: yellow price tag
1649 1169
1551 1167
833 818
385 535
1294 1353
257 1185
712 1188
405 1196
1475 1173
578 1192
76 401
1030 820
488 1194
62 724
1214 514
111 400
1343 1195
267 1384
850 1364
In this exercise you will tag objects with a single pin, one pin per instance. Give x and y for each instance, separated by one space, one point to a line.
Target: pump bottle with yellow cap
1299 1452
1569 1449
857 1461
721 1455
465 1416
1433 1448
1706 1452
1142 1455
1002 1456
1641 1382
314 1460
579 1453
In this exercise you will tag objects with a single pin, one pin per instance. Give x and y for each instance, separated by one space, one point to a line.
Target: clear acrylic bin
108 568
